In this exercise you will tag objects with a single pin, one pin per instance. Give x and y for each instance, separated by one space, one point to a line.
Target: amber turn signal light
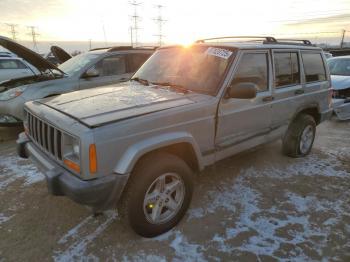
93 158
72 165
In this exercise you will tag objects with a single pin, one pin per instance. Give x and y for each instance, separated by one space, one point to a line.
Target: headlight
12 93
71 148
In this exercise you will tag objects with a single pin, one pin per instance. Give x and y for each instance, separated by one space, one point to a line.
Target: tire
145 180
293 143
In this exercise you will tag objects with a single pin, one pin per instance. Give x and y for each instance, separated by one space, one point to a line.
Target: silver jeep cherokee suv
136 145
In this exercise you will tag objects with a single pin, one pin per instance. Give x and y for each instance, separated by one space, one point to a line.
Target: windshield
339 66
199 68
75 64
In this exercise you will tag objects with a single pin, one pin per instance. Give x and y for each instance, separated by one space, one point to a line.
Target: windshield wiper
173 86
140 80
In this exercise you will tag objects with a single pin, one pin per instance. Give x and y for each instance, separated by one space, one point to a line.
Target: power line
135 18
160 21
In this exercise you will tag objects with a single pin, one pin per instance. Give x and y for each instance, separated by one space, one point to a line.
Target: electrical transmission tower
160 21
13 31
33 34
135 21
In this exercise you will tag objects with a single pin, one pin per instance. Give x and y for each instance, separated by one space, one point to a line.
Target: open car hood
61 55
99 106
31 57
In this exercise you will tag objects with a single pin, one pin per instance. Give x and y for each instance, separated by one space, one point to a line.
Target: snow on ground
4 218
13 168
81 239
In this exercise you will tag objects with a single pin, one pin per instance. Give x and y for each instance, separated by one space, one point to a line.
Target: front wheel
157 195
300 136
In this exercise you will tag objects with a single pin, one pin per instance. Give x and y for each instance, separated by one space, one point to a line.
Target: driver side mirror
92 72
244 90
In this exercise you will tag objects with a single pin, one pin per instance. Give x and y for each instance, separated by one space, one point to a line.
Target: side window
136 61
286 69
253 67
313 67
112 65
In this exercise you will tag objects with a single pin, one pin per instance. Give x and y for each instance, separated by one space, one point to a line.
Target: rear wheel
157 195
300 136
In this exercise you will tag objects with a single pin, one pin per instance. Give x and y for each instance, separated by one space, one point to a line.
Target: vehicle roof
10 58
121 49
340 57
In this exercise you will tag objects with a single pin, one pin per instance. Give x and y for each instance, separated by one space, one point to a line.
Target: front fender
127 162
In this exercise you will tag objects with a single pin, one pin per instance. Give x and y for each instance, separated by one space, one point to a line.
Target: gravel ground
256 206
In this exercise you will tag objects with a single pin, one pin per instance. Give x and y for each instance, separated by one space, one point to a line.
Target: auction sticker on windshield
219 52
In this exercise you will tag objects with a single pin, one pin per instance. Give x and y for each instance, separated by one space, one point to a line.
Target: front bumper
100 193
342 108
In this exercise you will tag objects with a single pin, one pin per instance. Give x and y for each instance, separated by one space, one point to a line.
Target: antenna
135 18
160 21
13 31
34 35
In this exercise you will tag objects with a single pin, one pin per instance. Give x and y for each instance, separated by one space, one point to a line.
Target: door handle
299 92
268 99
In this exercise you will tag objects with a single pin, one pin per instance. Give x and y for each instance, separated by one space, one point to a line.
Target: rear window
313 67
11 64
286 69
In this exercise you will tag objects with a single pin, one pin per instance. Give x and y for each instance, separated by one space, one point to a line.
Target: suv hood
100 106
340 82
31 57
61 55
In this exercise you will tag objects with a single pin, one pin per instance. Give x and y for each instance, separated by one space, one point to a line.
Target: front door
244 123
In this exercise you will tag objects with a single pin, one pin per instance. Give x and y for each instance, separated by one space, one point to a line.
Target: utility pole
342 38
13 31
33 34
90 44
160 21
135 19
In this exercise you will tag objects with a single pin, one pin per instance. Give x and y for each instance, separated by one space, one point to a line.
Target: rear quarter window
313 67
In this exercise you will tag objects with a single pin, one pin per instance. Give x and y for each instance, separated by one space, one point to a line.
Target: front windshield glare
339 67
199 69
75 64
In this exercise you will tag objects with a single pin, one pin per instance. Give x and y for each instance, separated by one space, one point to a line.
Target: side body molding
134 152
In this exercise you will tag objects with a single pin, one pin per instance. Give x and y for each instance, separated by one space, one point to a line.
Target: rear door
112 69
246 120
287 86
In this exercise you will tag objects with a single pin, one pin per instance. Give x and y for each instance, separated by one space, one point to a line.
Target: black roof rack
264 39
268 39
292 41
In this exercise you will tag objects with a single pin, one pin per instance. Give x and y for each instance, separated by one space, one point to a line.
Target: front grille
344 93
45 136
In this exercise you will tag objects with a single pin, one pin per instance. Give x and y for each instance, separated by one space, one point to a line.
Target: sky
186 20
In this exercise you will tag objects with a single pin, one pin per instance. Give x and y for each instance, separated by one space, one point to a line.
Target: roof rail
268 39
99 48
119 48
291 41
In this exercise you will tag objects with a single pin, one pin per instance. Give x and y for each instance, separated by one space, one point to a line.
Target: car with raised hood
340 74
137 145
91 69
